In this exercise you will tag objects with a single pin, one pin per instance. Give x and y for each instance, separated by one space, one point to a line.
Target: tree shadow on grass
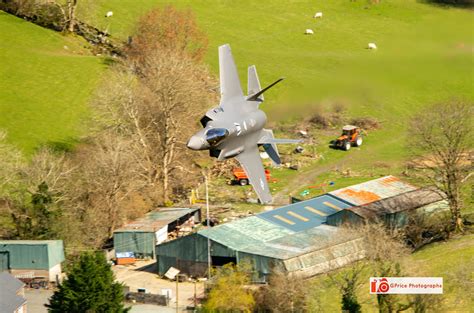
467 4
60 146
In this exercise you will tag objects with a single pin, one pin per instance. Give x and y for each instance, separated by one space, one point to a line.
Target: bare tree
155 111
384 249
101 193
284 293
30 193
156 98
167 29
441 138
11 161
69 13
422 229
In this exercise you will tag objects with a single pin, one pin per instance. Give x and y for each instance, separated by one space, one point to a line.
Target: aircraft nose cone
195 143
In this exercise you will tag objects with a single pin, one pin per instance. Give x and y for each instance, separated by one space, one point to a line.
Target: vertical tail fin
253 84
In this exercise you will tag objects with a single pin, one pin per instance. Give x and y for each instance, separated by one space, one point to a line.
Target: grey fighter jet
235 127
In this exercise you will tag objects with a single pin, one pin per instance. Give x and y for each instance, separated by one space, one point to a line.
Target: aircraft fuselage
227 131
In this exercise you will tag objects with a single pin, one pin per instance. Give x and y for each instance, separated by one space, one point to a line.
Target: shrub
366 123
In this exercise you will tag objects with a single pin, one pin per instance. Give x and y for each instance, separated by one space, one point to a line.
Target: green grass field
452 260
425 55
44 87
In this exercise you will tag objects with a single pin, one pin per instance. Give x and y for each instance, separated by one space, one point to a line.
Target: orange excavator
351 136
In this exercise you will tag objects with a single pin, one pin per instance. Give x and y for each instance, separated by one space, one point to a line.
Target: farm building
32 258
291 237
140 237
373 190
12 294
393 210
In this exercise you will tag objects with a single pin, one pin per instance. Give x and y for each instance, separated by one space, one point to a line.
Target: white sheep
372 46
309 32
109 14
318 15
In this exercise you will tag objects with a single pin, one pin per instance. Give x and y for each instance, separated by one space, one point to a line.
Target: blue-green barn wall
41 255
142 244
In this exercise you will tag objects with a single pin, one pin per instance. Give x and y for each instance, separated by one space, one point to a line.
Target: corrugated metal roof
259 236
246 231
403 202
10 283
281 233
373 190
305 214
156 220
9 300
282 244
297 229
28 242
292 245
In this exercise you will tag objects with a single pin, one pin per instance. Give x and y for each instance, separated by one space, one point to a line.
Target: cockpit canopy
214 136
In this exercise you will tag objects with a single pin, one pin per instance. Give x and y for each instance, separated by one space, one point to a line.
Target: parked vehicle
351 136
241 177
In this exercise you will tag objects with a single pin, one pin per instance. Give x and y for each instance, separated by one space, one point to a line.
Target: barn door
4 266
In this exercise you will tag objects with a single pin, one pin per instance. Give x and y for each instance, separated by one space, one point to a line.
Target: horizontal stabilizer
255 97
270 148
267 140
272 152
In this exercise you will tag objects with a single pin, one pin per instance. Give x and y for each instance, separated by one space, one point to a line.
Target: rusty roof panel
403 202
373 190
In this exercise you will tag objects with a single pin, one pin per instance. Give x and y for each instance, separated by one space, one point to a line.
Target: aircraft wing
228 76
252 163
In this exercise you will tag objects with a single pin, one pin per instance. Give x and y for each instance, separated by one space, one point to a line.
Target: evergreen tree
35 215
44 214
349 302
89 287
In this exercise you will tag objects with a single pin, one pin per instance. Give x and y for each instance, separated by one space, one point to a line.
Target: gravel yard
143 275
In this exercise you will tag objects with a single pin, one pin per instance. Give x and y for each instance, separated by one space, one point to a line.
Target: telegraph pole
208 225
177 279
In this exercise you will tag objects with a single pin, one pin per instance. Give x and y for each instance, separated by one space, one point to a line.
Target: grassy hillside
45 82
424 56
452 260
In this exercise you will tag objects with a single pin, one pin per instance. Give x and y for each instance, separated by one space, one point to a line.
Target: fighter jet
235 127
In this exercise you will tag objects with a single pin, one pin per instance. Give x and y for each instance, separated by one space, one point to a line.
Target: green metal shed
31 254
141 236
